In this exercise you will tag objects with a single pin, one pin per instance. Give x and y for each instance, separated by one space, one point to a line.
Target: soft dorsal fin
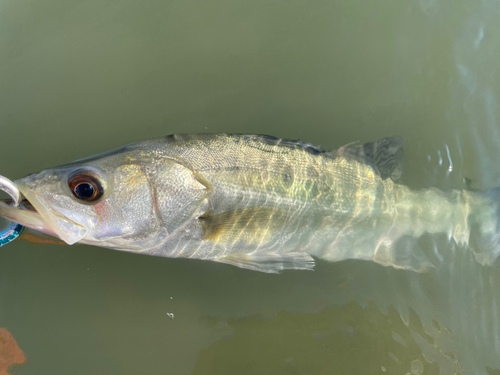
385 155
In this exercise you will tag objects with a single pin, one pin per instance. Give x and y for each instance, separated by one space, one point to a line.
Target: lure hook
14 230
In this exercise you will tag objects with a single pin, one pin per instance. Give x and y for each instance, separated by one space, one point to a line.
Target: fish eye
85 186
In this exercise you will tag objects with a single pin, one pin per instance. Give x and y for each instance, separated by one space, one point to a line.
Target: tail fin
484 221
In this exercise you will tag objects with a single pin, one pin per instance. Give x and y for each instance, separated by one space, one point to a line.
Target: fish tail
484 221
468 218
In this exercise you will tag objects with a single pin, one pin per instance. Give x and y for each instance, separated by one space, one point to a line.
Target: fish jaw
43 218
26 218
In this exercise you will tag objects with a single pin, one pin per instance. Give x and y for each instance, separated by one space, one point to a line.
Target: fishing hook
14 230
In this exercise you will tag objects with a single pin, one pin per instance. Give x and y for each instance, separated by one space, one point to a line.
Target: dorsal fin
385 155
266 143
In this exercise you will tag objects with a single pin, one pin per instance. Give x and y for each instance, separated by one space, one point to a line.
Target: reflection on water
297 343
81 77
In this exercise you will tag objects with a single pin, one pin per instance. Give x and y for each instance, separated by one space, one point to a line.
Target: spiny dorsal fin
385 155
267 143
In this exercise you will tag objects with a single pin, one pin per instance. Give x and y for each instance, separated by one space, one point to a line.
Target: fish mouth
32 213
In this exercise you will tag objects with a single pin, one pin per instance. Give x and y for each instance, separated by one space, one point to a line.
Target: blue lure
14 230
10 234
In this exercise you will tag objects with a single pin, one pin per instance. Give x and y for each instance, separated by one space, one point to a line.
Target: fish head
126 200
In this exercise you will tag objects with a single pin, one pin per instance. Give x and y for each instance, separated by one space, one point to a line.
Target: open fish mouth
33 214
25 215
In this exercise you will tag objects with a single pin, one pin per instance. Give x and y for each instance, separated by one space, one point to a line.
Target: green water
82 77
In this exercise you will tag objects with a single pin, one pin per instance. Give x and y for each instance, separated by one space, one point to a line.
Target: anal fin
270 263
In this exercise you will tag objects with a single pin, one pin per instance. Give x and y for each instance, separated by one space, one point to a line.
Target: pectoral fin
250 225
270 263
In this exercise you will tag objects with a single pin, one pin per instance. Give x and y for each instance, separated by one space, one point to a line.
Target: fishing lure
15 229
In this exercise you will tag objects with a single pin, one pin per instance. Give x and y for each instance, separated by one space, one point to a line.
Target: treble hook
13 231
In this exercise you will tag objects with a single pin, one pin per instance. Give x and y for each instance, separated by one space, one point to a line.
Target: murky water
81 77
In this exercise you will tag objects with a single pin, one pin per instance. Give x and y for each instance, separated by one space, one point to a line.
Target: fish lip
25 216
48 218
25 204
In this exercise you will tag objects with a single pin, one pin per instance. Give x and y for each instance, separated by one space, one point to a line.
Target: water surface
82 77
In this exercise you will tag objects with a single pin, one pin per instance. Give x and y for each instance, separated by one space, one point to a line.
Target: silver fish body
257 202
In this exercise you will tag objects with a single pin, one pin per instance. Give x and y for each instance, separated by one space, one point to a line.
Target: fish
254 201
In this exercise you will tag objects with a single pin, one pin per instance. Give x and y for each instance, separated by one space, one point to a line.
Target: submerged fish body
257 202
